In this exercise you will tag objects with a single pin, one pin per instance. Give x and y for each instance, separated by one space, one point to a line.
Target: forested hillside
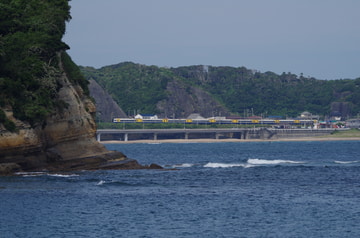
146 88
271 94
150 89
31 48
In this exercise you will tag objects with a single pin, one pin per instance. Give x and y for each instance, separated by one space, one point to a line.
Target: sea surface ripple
257 189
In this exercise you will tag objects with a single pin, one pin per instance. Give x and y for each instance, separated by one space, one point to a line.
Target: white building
146 116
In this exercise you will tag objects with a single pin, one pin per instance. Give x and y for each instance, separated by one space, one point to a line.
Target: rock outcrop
107 108
46 114
64 142
183 100
152 90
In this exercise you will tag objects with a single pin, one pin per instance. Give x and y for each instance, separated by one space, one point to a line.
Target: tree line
136 86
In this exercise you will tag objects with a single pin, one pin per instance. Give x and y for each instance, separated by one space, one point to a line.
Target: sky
318 38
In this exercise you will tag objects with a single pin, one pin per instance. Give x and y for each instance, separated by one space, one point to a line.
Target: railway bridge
238 133
216 133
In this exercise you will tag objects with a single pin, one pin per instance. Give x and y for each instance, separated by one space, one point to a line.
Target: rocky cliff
46 114
154 90
107 108
64 142
183 100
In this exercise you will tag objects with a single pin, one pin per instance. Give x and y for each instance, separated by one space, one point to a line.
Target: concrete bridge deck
217 133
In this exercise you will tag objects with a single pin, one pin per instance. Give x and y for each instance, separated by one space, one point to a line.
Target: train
220 121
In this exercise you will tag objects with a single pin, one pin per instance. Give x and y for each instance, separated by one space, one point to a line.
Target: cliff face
183 100
65 142
105 104
46 116
154 90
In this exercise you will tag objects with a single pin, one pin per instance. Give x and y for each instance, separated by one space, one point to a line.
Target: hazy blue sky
319 38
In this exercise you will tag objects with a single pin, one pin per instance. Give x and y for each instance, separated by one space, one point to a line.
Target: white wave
63 175
225 165
101 182
30 174
186 165
33 174
346 162
270 162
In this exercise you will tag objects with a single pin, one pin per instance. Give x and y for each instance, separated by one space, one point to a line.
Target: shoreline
230 140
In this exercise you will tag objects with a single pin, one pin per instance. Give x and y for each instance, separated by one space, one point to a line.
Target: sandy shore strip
229 140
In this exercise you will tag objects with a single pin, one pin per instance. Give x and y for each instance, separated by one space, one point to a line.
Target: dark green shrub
73 73
10 126
2 116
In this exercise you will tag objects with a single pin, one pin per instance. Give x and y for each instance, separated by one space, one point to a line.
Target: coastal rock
155 166
9 168
65 142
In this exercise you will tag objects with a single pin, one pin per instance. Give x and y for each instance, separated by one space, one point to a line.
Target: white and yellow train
220 121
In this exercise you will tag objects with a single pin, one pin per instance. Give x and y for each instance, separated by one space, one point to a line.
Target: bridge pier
243 135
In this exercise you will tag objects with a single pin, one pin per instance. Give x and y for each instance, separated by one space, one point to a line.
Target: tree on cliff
31 34
44 90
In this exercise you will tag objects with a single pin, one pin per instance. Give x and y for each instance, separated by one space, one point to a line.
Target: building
195 116
308 115
146 116
353 123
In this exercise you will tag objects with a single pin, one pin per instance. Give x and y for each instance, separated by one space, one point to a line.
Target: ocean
249 189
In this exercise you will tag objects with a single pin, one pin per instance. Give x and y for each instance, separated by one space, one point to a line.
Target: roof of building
195 116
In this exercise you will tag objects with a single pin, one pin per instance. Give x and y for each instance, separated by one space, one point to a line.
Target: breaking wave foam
186 165
225 165
30 174
269 162
251 163
34 174
101 182
63 175
346 162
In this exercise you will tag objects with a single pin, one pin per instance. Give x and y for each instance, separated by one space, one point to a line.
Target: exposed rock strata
65 142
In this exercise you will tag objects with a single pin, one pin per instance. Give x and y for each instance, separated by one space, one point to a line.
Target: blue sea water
256 189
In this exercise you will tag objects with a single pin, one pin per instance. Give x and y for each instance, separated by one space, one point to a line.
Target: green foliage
73 72
30 38
266 93
9 125
352 133
135 86
2 116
